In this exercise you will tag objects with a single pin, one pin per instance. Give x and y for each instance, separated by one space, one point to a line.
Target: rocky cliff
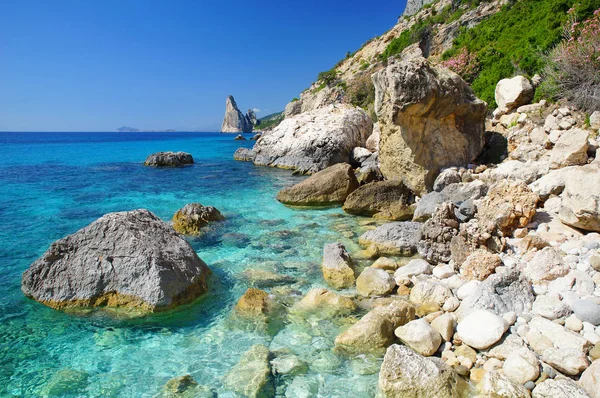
413 6
235 121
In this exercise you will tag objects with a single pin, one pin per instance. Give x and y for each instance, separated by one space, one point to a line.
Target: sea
53 184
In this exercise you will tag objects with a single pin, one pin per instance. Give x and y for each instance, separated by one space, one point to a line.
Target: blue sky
94 65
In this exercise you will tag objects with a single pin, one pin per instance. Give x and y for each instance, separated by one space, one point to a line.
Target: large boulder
244 155
580 206
375 330
190 219
312 141
169 159
429 119
234 120
570 149
327 187
387 199
404 373
127 259
395 238
512 93
337 266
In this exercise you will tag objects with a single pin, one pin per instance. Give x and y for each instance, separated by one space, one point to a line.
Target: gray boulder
244 155
395 238
169 159
127 259
312 141
500 293
456 193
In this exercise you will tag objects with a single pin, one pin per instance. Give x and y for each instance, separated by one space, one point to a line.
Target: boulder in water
190 219
169 159
128 259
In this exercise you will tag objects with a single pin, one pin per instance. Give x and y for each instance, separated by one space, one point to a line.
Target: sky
96 65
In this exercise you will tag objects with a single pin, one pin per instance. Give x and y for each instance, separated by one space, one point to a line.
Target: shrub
464 64
573 69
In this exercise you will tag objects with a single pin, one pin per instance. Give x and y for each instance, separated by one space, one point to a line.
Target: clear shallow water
52 184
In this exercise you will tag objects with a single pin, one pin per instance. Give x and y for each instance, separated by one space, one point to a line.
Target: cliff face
235 121
412 6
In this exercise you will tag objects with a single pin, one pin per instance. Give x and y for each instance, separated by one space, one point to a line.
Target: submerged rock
251 377
128 259
192 217
337 266
395 238
390 200
253 303
312 141
327 187
405 373
240 137
169 159
185 387
322 303
375 330
429 119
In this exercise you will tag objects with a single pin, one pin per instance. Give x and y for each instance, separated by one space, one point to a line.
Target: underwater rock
251 376
323 304
192 217
244 155
253 303
169 159
128 259
185 387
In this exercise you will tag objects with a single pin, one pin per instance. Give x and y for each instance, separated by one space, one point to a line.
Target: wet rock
405 373
327 187
480 264
420 336
429 119
481 329
553 388
66 381
374 282
262 278
127 259
288 365
190 219
500 293
302 387
253 303
512 93
580 206
387 199
375 330
322 303
337 266
244 155
251 376
507 206
185 387
169 159
568 361
395 238
314 140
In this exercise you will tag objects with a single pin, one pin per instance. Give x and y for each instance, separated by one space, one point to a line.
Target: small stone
510 317
443 271
481 329
451 304
587 311
550 306
530 385
480 264
420 336
445 325
493 364
374 282
386 264
573 323
522 366
464 350
413 268
595 352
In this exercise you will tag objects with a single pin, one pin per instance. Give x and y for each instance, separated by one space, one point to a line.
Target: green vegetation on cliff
270 121
516 39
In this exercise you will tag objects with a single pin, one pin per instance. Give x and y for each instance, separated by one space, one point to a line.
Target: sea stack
235 121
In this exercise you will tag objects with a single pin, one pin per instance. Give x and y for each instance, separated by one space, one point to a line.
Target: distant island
125 129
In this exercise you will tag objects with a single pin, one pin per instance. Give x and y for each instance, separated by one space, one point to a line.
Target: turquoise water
52 184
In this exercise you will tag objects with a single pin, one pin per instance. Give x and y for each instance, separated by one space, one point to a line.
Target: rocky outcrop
325 188
412 6
128 259
251 117
244 155
429 119
313 141
404 373
190 219
580 206
169 159
390 200
235 121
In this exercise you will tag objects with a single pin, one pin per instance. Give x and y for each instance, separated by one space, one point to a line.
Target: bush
573 69
464 64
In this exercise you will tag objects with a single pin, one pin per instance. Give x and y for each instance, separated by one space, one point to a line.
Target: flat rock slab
395 238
